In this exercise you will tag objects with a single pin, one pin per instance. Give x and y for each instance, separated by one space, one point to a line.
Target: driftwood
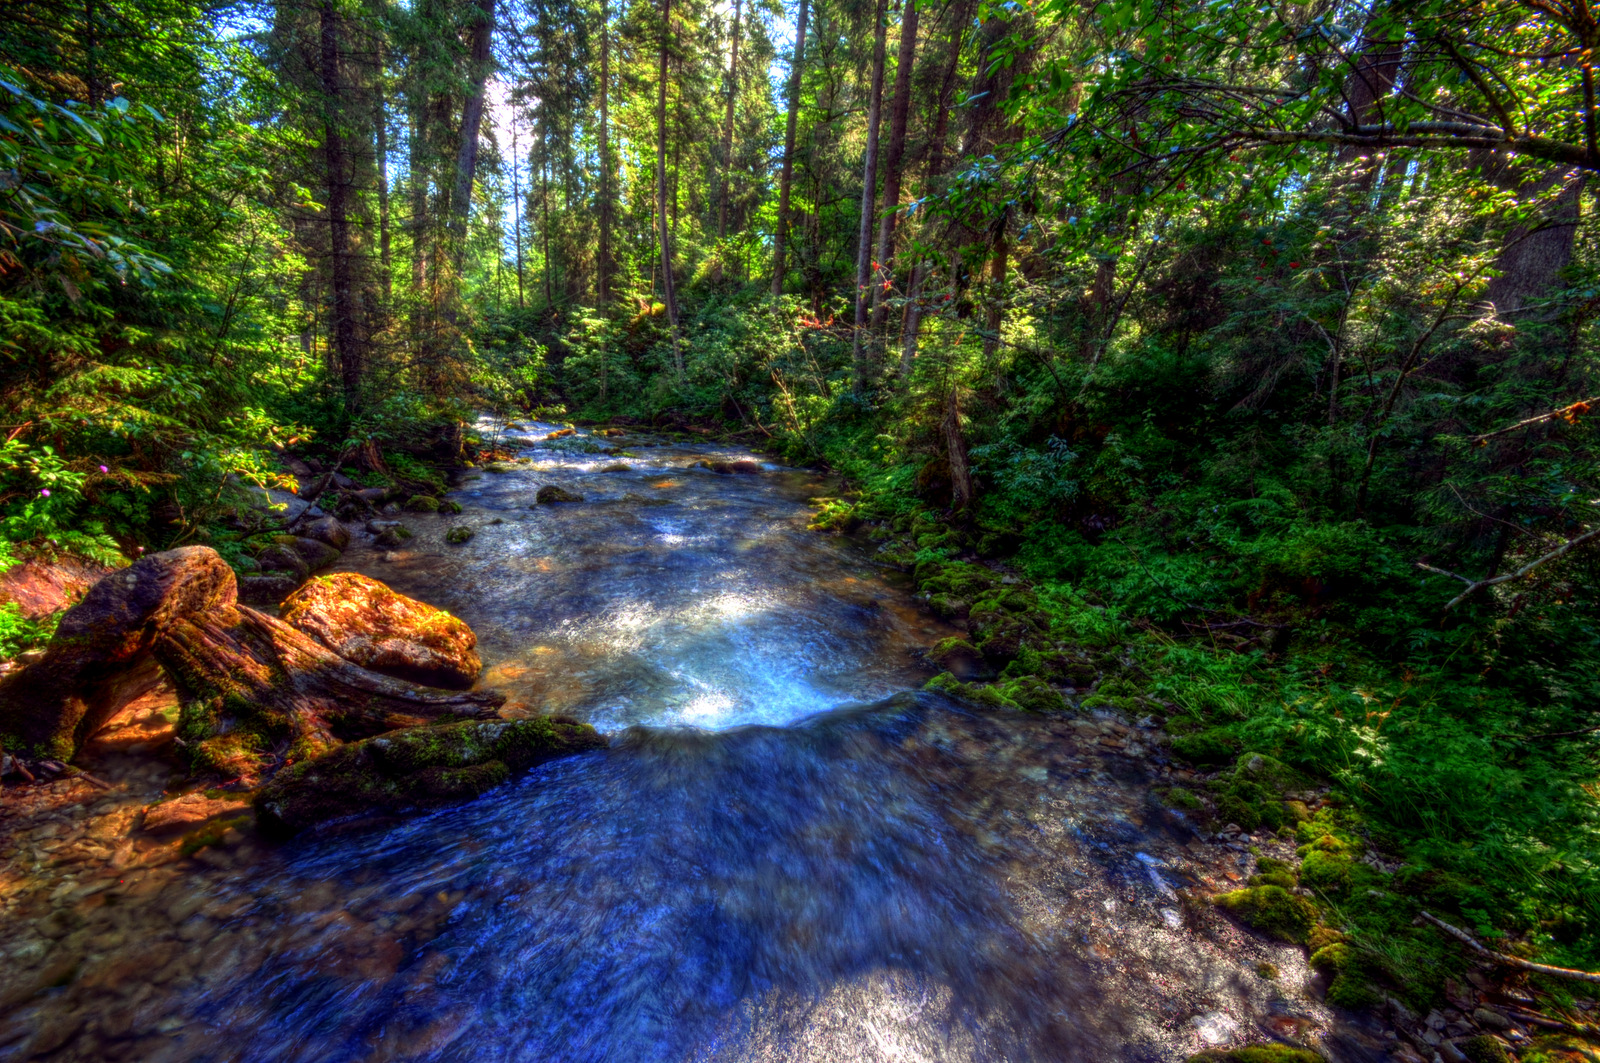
249 684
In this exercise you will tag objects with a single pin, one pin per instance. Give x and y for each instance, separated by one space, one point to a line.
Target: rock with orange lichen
368 624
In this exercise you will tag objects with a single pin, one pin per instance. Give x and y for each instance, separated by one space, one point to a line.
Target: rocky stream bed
786 850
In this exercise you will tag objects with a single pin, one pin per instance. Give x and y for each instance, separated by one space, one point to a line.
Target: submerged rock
551 493
393 535
368 624
458 535
419 767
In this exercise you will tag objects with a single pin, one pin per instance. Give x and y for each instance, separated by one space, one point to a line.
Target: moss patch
1272 910
418 767
1257 1054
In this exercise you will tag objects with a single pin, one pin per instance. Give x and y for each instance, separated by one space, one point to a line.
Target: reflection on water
671 595
906 880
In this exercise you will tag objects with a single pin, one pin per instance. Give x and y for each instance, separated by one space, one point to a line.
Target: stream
789 852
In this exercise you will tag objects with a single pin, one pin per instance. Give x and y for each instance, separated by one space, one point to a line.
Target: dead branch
1510 961
1566 413
1474 586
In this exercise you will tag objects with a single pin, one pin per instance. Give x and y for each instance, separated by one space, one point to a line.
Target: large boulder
420 767
366 623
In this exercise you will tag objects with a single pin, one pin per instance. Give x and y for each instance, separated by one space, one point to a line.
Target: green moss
458 535
1256 1054
1327 872
1213 746
1267 971
418 767
1251 794
449 505
1272 910
1349 976
1033 694
1178 797
422 504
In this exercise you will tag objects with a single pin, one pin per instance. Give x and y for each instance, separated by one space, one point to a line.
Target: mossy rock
1053 666
1483 1049
1323 936
1251 795
392 537
617 466
978 693
422 504
1349 976
414 768
949 607
1033 694
1256 1054
959 578
1270 872
1327 872
1179 798
459 534
499 467
1272 910
447 505
960 657
550 493
1214 746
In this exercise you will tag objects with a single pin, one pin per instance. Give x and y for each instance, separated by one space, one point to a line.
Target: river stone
315 553
328 530
189 811
284 558
392 536
368 624
551 493
416 767
266 589
458 535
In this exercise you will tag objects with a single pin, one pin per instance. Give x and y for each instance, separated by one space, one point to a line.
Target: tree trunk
516 207
911 327
481 61
898 119
869 193
603 266
663 224
956 452
727 142
381 121
785 180
1533 256
336 160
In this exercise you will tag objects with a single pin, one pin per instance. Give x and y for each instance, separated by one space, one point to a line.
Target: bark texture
250 685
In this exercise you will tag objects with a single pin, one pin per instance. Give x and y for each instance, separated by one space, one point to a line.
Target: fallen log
250 686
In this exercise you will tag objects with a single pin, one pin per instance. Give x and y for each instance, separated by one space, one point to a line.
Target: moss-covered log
421 767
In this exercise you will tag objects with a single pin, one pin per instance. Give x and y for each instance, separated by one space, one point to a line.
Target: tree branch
1567 413
1474 586
1511 961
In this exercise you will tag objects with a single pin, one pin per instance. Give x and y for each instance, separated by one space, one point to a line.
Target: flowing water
785 854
